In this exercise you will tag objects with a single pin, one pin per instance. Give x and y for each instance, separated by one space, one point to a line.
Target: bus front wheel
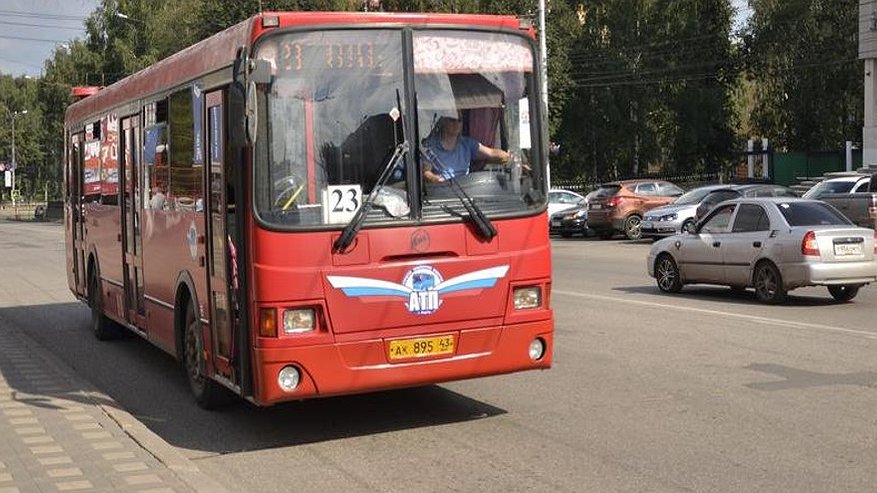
208 394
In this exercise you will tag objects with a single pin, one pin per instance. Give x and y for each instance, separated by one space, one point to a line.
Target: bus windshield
335 111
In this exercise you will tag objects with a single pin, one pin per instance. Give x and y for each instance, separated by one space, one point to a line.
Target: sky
31 29
743 12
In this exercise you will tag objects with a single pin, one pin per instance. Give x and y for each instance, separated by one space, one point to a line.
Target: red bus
255 205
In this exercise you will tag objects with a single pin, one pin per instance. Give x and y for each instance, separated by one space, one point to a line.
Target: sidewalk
58 433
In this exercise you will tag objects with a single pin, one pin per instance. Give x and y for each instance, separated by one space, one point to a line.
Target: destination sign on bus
297 56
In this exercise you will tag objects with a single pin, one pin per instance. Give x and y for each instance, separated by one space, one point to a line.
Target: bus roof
219 50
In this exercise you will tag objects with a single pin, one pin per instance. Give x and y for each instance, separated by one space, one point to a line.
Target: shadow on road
728 295
150 385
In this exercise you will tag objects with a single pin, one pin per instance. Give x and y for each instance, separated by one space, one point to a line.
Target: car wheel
844 292
769 284
102 327
632 227
688 226
208 394
667 274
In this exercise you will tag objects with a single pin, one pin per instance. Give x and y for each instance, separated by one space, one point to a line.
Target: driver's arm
491 155
432 177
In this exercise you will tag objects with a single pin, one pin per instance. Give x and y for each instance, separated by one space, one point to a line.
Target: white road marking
753 318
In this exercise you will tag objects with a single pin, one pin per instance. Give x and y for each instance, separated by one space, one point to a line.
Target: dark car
572 221
731 192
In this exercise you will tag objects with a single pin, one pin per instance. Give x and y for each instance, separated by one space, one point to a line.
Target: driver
456 151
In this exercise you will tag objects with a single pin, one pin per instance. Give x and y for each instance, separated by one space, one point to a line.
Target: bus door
131 206
223 274
76 225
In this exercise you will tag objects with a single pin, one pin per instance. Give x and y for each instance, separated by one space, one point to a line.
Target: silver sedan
773 244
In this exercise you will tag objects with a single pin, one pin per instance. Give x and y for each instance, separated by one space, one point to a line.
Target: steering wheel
290 187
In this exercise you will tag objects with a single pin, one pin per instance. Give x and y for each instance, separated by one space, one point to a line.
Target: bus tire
102 327
208 394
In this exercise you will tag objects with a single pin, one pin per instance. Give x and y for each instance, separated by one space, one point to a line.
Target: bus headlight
528 297
288 378
299 320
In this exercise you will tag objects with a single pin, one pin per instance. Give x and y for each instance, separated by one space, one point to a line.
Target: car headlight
669 217
580 214
527 297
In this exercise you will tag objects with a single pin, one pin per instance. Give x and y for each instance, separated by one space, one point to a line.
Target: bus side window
155 159
109 160
186 165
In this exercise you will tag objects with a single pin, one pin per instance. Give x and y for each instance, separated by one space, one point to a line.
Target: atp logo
421 287
424 298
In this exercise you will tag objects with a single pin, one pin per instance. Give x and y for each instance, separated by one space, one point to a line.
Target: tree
652 89
801 56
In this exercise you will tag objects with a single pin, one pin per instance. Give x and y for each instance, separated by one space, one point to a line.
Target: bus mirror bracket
237 100
260 71
251 112
241 62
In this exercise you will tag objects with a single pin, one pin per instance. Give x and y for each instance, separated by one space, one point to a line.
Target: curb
178 463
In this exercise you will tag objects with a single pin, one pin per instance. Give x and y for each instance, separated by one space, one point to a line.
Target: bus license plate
844 249
421 347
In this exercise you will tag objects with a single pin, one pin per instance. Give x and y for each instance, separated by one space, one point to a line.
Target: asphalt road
702 391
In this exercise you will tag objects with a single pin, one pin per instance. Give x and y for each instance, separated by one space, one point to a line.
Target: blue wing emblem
421 287
485 278
363 286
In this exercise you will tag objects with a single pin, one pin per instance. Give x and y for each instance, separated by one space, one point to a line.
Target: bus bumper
364 366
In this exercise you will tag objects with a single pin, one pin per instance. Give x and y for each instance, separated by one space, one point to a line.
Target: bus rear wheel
102 327
208 394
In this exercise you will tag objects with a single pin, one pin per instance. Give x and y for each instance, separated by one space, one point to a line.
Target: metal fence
685 181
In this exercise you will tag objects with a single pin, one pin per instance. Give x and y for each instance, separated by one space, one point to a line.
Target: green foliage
635 86
650 89
808 84
20 111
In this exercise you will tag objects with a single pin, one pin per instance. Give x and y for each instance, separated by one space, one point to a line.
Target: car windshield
337 108
811 214
720 196
825 187
692 196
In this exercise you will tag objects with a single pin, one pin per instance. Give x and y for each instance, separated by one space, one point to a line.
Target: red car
619 206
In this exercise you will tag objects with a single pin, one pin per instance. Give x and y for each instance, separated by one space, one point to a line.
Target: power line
48 26
628 74
42 40
706 75
646 46
39 15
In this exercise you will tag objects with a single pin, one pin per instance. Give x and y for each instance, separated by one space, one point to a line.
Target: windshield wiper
482 224
349 231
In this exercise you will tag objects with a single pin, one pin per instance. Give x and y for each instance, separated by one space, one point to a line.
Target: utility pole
543 60
14 163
